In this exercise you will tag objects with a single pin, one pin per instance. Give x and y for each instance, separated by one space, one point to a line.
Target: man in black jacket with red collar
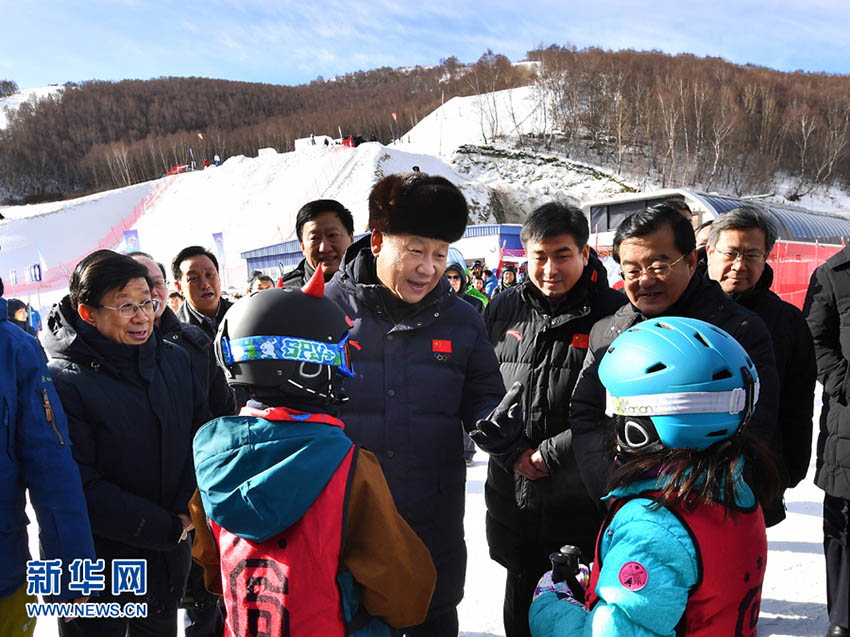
737 249
540 329
195 272
657 253
325 229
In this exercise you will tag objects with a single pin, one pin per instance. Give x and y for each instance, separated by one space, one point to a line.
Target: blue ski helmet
677 382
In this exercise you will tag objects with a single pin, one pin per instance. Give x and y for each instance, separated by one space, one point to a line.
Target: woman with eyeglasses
132 405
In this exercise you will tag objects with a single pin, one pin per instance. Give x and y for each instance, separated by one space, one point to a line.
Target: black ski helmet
289 341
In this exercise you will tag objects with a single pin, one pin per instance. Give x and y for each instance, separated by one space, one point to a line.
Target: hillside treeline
98 135
700 122
680 120
8 87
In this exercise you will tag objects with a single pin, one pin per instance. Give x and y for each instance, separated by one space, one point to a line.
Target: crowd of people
307 444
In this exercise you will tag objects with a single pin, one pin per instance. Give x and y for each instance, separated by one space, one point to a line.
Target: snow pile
252 201
477 120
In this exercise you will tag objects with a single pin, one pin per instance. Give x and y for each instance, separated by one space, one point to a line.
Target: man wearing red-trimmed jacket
540 330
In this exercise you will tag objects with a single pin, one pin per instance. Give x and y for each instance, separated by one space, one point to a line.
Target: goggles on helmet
287 348
732 402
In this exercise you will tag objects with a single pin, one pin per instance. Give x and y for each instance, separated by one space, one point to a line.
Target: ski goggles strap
723 402
287 348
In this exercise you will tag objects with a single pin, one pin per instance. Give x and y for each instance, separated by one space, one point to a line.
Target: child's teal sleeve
649 565
553 617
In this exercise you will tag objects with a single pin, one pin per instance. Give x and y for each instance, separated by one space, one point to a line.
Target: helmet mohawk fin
316 285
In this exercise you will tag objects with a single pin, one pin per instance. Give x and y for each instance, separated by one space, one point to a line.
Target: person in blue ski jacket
35 456
683 548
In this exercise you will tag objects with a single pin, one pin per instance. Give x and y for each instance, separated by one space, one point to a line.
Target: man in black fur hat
425 371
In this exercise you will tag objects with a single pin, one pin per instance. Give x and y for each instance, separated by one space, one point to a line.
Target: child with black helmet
300 534
683 548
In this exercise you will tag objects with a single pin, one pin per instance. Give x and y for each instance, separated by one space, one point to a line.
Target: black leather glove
501 431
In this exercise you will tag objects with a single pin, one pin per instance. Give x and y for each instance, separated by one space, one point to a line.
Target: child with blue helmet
683 549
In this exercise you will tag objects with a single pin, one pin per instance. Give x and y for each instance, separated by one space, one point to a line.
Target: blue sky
284 42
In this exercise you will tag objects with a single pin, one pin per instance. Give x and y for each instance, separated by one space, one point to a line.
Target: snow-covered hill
253 202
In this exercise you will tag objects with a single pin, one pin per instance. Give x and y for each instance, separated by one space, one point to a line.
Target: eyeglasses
128 310
453 277
751 257
656 270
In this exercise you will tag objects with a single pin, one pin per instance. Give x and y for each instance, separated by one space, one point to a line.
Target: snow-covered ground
253 202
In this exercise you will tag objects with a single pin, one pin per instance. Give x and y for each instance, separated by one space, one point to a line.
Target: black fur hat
419 204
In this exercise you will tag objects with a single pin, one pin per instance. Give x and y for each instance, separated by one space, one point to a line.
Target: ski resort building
806 238
490 242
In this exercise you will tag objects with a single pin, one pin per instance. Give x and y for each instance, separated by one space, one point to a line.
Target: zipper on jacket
48 413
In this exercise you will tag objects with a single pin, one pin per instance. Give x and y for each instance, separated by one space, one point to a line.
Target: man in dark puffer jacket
827 310
132 405
203 618
192 339
738 246
540 330
325 229
656 251
424 370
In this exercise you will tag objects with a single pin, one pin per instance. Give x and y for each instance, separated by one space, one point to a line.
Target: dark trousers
442 625
468 447
836 530
157 624
519 588
204 622
203 609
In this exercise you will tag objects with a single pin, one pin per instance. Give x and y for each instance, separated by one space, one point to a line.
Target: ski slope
252 201
475 119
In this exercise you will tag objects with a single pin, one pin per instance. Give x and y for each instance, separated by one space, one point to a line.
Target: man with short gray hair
738 246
